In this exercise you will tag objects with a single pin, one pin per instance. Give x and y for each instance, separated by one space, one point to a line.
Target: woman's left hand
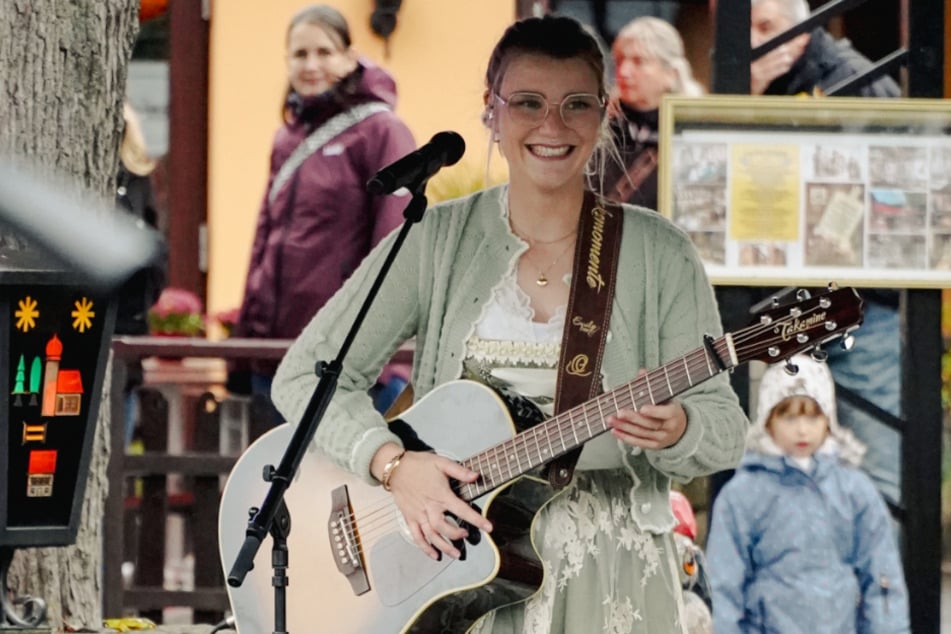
650 427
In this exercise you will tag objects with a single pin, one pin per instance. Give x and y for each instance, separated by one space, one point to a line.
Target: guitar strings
530 443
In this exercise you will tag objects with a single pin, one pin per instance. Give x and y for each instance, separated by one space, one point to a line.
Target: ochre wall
438 55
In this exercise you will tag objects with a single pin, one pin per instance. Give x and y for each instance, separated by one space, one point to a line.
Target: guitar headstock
783 331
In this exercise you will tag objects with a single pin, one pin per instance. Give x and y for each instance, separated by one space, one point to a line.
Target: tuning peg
818 354
847 342
791 368
833 286
803 294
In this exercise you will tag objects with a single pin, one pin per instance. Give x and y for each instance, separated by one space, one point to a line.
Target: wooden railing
180 439
180 471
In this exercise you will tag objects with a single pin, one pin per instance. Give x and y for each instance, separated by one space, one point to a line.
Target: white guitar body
402 579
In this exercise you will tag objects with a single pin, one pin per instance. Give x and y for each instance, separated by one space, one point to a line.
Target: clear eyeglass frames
576 110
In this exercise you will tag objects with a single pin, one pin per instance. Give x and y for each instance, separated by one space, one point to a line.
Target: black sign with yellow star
56 339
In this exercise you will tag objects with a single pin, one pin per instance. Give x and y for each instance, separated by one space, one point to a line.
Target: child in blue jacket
800 540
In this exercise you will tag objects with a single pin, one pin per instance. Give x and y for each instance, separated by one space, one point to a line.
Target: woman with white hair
649 62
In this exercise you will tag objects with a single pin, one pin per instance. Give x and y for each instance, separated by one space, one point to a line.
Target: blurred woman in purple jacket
317 222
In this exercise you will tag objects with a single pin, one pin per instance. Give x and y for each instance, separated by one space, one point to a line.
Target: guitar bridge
345 541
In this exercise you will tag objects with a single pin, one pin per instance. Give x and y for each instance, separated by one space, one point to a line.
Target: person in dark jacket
134 195
317 222
800 540
649 62
810 63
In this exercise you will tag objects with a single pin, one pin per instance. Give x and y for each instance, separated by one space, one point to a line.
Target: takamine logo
796 326
593 278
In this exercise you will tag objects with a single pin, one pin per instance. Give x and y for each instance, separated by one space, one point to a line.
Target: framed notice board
796 190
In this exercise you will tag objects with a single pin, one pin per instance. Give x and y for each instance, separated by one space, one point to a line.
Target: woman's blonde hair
662 42
133 152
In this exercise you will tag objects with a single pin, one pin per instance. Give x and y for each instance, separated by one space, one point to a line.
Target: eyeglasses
577 111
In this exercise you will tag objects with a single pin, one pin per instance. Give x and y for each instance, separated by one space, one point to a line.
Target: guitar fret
687 371
650 394
597 402
630 390
486 471
561 434
478 466
670 390
574 429
538 447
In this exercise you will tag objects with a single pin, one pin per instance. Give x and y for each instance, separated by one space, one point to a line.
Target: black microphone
445 148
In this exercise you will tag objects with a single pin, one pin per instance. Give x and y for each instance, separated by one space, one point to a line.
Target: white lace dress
602 572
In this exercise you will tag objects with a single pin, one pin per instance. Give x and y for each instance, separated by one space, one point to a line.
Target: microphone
445 148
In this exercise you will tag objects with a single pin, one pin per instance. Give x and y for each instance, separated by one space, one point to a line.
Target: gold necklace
532 241
542 279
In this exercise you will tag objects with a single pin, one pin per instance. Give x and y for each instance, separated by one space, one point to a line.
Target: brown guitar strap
587 318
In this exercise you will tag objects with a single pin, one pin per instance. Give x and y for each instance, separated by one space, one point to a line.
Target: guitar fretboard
577 425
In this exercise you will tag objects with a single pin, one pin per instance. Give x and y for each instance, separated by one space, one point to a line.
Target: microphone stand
262 520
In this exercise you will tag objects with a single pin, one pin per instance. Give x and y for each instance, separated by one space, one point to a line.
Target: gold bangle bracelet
389 468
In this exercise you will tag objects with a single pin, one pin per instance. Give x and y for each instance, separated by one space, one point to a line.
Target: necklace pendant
542 280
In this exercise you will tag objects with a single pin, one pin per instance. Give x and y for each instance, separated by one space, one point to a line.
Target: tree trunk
62 78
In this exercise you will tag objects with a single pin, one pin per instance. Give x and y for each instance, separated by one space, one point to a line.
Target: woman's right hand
420 487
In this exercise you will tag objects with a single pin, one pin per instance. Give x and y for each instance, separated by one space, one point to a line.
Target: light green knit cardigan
436 291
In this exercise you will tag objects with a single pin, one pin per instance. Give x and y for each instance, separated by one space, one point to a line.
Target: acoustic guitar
353 567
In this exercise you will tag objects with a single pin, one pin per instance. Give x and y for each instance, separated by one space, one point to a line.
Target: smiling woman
317 56
488 290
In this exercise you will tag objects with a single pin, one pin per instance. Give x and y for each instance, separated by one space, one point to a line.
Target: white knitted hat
815 381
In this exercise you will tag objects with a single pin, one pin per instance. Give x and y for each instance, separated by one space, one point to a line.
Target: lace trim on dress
518 353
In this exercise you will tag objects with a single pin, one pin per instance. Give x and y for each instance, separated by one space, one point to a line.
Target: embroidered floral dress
602 573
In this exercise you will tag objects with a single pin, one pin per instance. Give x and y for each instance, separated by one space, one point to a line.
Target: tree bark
62 82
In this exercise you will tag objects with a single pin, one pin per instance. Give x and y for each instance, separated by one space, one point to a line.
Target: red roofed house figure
62 389
69 393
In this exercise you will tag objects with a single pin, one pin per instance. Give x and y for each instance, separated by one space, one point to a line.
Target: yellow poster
764 192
